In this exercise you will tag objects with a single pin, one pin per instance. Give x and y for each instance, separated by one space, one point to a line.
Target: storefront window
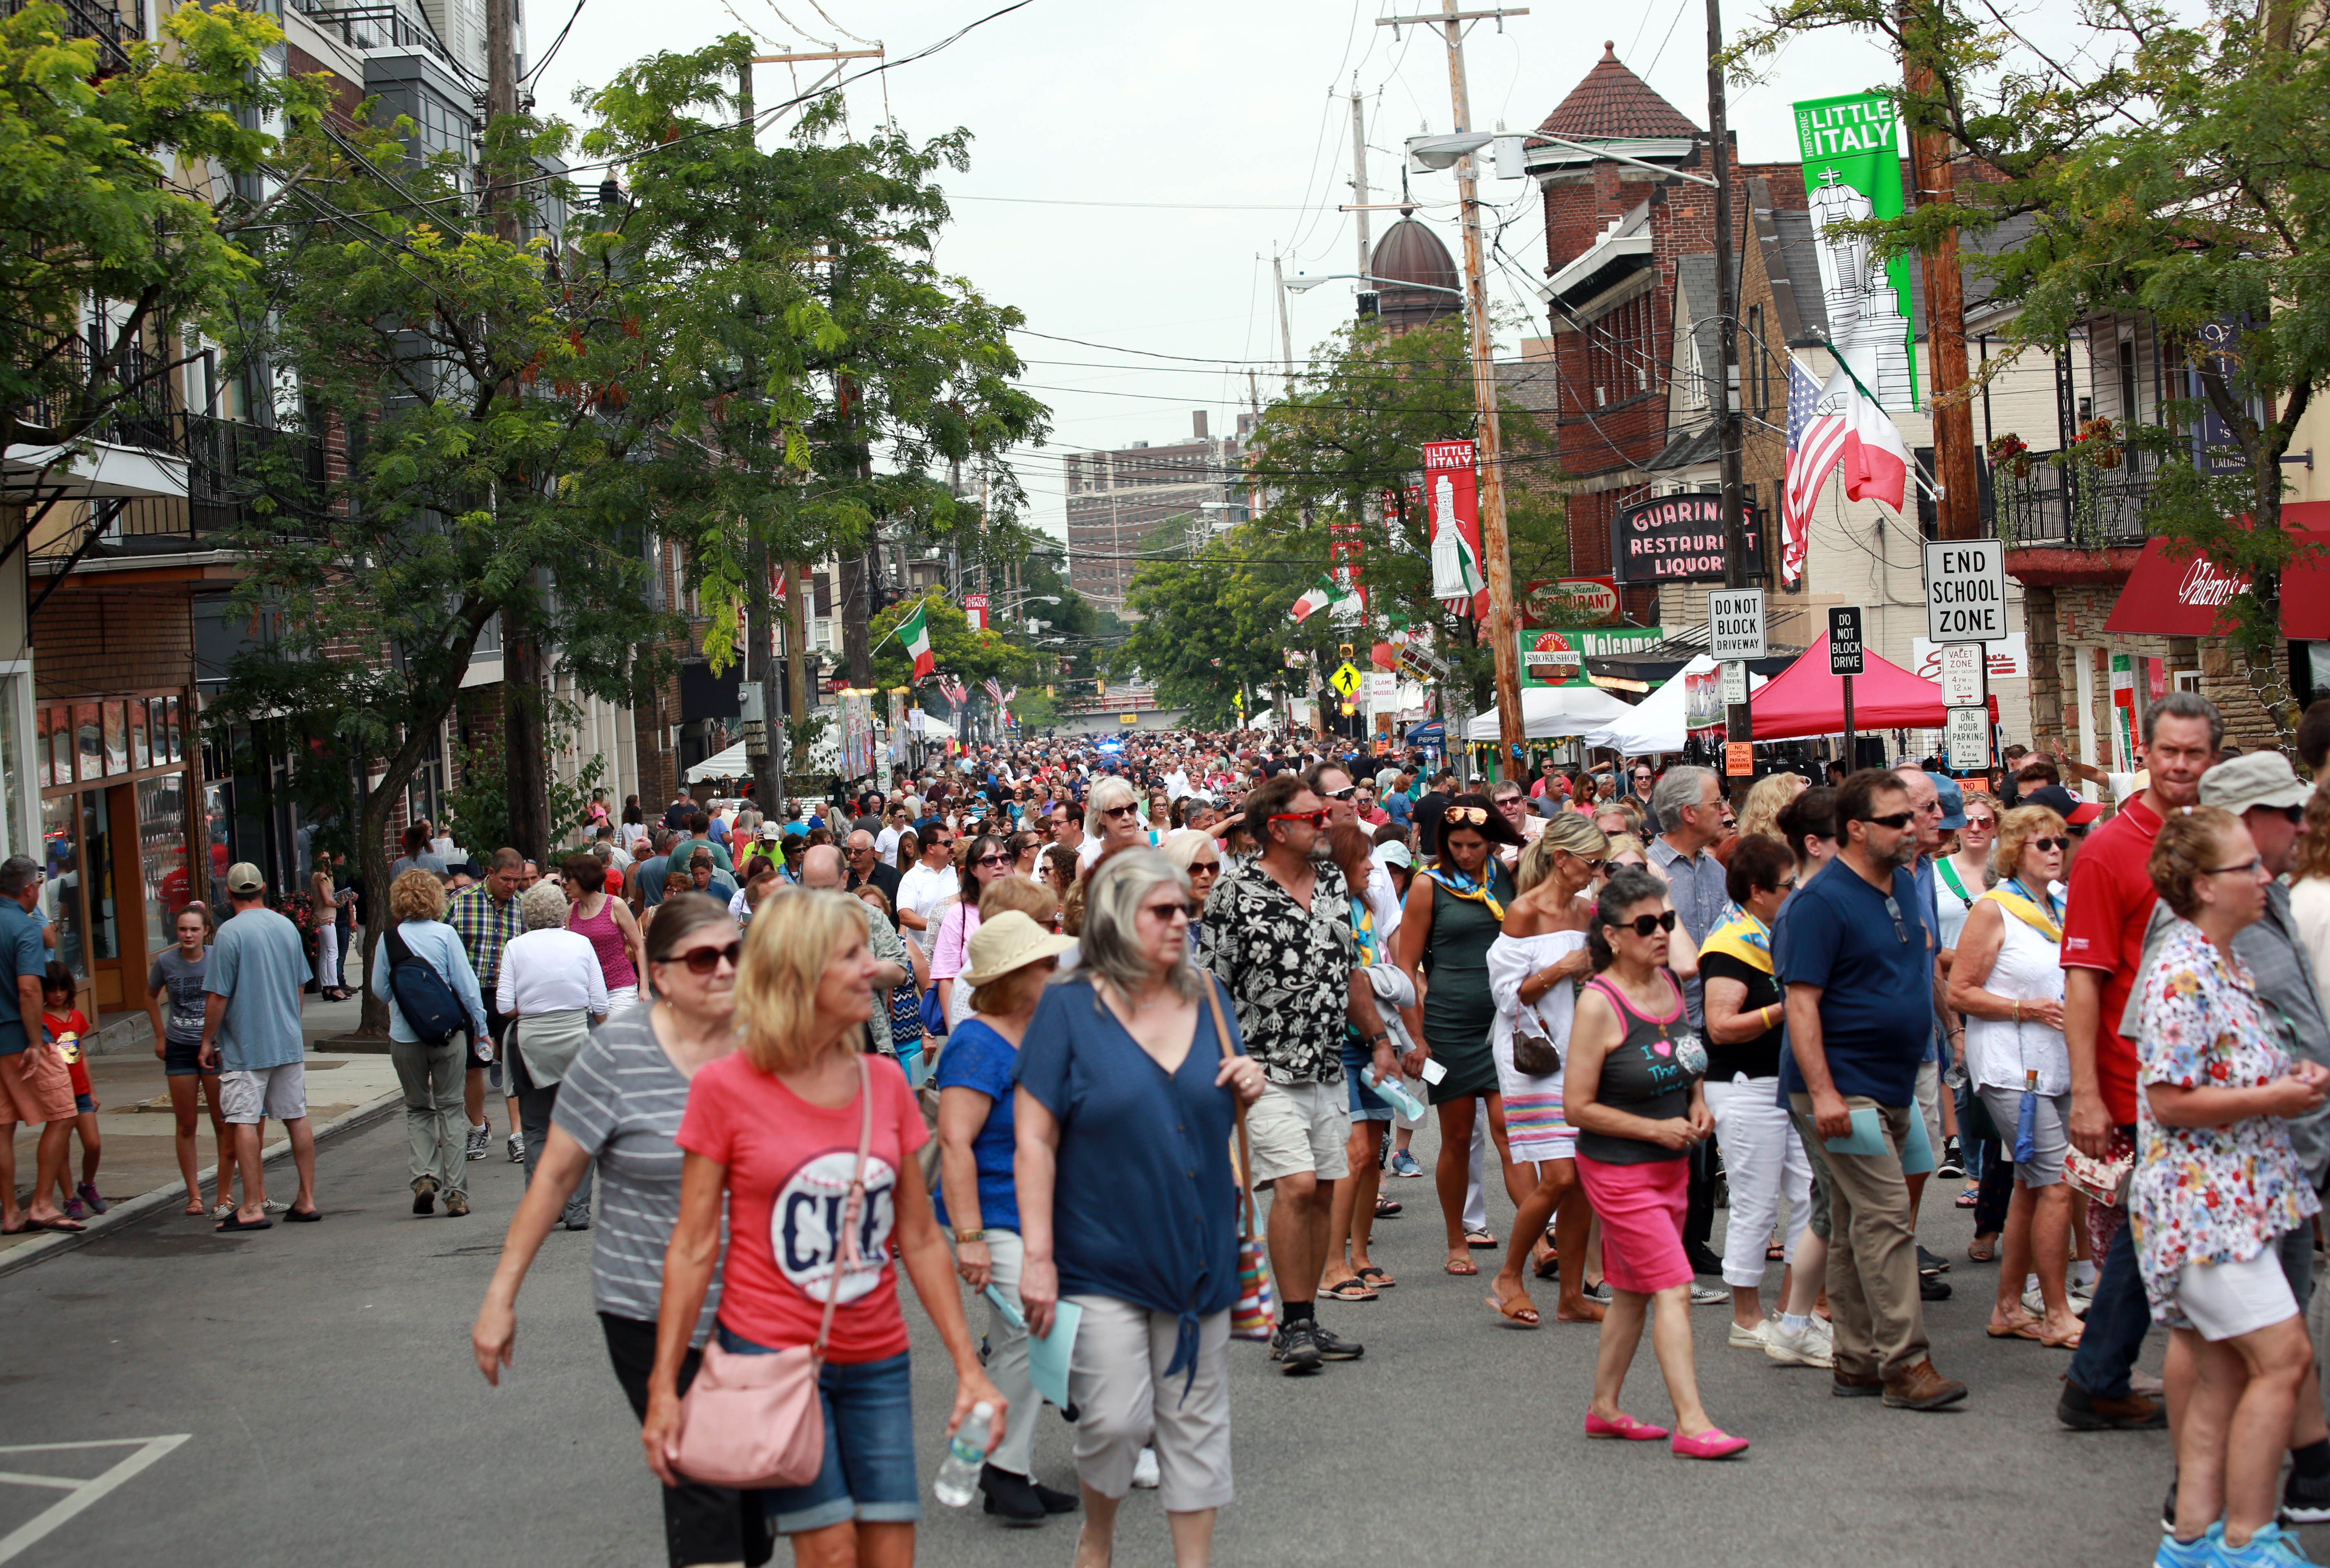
218 818
162 856
97 863
141 748
12 765
89 735
117 736
60 893
42 772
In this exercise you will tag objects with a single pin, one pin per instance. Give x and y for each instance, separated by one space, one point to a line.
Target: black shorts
182 1058
701 1523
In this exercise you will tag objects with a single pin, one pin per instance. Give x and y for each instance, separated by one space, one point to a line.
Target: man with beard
1854 954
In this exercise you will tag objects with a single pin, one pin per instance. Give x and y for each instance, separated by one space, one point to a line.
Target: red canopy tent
1804 699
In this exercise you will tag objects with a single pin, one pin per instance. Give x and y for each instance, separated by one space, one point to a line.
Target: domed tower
1409 253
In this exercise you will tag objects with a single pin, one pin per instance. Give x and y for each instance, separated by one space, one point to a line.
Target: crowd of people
1131 1046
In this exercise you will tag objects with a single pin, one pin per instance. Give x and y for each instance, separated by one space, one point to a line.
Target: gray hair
1111 947
1111 790
1678 788
2186 706
543 906
17 873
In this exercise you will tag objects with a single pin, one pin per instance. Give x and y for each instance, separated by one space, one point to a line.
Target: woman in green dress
1454 910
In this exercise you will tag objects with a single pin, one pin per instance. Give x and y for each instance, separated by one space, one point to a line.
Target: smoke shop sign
1679 539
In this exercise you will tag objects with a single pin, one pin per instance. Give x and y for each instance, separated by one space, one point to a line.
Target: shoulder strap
399 951
1245 1155
851 1208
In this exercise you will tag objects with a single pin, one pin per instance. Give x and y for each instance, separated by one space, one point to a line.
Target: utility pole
1359 177
761 667
1934 173
526 765
1496 551
1285 337
1737 724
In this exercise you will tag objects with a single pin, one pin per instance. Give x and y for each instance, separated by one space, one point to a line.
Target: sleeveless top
1648 1074
1999 1051
607 941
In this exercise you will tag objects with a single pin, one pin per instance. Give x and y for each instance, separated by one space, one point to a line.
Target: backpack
430 1009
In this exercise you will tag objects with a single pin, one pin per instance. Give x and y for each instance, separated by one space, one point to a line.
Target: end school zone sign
1965 591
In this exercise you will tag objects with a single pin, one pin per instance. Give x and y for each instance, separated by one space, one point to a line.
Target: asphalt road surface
306 1395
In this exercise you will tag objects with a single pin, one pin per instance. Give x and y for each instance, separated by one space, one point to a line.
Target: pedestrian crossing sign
1346 679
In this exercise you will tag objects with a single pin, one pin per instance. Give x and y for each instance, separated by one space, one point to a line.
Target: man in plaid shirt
486 917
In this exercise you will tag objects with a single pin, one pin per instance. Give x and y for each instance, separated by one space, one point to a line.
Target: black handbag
1534 1054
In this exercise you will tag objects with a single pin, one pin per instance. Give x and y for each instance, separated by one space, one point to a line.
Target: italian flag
915 633
1320 594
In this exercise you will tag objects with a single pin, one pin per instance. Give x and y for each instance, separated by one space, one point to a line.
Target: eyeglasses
1788 886
2245 868
1504 801
1984 823
1896 820
2043 845
1593 867
1345 793
1166 912
1315 818
1124 810
1211 866
1645 925
1462 814
704 960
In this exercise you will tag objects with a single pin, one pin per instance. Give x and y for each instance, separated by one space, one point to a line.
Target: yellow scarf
1741 936
2043 919
1459 885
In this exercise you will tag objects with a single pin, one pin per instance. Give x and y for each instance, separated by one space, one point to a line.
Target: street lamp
1303 280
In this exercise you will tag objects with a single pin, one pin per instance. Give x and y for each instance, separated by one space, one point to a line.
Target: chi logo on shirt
805 1225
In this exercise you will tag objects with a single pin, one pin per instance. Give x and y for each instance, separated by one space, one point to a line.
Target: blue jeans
869 1448
2118 1319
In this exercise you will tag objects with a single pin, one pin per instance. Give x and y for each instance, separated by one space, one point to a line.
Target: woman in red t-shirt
774 1129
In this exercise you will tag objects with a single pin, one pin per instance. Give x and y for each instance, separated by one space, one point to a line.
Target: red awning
2185 595
1804 699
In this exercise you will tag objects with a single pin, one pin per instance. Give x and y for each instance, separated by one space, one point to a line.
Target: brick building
1118 502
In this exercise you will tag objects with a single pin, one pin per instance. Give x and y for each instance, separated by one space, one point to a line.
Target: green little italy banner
1852 170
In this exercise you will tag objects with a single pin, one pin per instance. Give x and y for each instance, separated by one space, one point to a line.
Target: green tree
1216 628
970 655
2168 170
93 214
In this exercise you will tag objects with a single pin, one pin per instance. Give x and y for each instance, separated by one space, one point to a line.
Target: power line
552 52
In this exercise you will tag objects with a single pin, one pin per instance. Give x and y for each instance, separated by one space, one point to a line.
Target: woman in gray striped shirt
619 1107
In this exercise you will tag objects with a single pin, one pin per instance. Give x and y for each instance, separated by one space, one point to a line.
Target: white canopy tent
1554 712
1656 724
728 764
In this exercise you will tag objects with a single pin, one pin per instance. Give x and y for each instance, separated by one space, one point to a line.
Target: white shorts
2226 1301
1296 1128
246 1098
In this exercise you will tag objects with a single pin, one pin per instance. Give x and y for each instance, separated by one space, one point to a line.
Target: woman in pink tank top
607 921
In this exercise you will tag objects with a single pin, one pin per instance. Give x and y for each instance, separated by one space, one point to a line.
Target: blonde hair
1571 830
787 949
417 895
1625 844
2188 846
2017 828
1760 812
1034 899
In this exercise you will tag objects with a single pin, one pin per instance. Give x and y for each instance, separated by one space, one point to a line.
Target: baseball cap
2064 804
244 877
2254 778
771 831
1953 800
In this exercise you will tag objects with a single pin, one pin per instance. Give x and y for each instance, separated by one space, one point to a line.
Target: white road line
83 1494
18 1479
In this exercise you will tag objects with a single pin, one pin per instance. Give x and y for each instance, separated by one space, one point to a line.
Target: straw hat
1010 942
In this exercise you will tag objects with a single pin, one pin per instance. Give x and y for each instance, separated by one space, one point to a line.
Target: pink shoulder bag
750 1422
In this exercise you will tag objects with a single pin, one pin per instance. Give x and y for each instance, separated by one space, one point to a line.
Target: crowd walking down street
1134 1158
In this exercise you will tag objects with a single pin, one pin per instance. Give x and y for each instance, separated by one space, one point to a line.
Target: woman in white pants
1010 960
1763 1158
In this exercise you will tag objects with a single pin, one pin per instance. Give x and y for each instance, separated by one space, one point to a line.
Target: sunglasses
994 860
1896 821
1214 866
2296 814
2245 868
1647 925
1345 793
1315 818
704 960
2043 845
1894 909
1593 867
1166 912
1461 814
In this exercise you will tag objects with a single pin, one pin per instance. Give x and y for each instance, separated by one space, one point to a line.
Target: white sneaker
1710 1295
2036 1304
517 1142
1754 1338
1807 1346
1144 1469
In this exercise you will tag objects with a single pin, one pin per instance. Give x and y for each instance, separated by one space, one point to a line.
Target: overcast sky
1135 165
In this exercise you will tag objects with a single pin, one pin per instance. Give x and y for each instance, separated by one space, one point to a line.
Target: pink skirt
1641 1209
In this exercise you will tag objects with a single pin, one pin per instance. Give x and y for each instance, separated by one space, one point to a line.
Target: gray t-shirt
621 1100
257 964
423 862
182 1005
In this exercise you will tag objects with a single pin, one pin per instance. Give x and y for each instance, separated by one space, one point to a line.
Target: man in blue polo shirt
1854 955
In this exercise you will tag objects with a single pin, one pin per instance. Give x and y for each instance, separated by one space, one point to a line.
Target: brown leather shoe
2084 1411
1921 1387
1855 1384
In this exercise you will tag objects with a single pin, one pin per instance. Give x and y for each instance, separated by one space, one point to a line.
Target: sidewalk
133 1121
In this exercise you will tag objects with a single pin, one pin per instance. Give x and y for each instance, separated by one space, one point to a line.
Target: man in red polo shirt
2105 912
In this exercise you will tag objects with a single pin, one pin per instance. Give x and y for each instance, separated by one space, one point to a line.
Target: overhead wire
552 52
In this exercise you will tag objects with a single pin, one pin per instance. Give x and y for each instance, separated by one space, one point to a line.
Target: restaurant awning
2184 594
1806 700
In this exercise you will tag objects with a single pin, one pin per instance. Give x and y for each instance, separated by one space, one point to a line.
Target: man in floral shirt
1278 933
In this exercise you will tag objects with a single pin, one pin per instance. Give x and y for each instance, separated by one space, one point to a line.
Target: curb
123 1213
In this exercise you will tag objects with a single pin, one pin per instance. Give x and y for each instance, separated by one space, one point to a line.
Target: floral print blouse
2213 1194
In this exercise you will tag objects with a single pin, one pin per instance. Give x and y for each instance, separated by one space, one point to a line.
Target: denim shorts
869 1448
83 1104
1366 1105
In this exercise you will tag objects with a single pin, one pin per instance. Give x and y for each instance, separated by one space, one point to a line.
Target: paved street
321 1380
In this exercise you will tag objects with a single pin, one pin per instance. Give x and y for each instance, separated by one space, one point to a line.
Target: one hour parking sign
1965 591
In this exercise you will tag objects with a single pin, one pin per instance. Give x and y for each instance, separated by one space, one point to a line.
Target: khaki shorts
42 1094
248 1098
1298 1128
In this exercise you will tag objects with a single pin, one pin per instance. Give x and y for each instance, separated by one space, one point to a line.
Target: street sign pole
1845 661
1849 757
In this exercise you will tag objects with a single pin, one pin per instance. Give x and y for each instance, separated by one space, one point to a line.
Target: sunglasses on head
1462 814
1643 925
704 960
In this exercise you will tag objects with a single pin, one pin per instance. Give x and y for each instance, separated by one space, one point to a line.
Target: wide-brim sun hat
1011 940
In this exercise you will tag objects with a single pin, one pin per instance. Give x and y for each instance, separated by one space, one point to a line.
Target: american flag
994 689
1815 443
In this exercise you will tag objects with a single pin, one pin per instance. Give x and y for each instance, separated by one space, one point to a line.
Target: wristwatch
967 1236
1378 1035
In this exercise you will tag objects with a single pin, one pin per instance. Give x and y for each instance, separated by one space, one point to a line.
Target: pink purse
751 1421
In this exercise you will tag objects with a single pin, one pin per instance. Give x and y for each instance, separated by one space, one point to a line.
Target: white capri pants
328 957
1125 1403
1007 1356
1765 1161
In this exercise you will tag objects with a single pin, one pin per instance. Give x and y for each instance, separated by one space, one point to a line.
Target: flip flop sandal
239 1223
297 1218
2027 1329
1969 1198
1775 1254
1546 1265
1378 1277
2068 1342
1387 1207
1352 1289
1460 1266
66 1227
1478 1238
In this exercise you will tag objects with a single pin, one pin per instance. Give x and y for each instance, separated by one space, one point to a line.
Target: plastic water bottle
1395 1093
958 1477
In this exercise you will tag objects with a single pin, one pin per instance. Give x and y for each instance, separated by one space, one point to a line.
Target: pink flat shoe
1714 1443
1626 1426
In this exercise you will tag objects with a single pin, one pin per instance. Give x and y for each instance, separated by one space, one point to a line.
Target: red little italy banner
1452 506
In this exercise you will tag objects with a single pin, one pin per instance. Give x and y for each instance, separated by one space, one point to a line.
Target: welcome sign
1853 173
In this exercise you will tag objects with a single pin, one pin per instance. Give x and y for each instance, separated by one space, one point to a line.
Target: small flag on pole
1320 595
915 633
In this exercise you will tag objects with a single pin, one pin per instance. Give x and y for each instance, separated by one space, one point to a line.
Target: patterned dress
2214 1195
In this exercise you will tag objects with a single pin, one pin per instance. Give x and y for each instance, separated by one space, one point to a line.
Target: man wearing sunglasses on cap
1852 951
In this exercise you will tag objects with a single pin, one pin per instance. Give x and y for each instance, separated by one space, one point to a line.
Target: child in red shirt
65 1027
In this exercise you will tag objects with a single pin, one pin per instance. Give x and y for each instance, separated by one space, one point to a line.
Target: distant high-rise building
1119 500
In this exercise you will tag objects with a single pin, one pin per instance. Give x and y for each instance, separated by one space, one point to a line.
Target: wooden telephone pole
1934 177
1496 551
1738 723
